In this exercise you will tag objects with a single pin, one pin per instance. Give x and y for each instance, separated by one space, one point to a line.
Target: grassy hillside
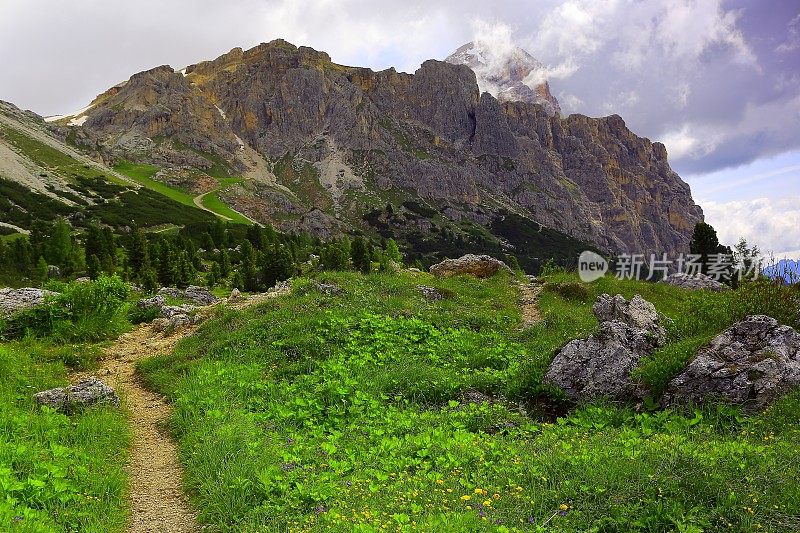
377 410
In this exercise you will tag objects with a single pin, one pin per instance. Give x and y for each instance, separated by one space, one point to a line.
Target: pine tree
138 253
392 252
238 281
705 243
148 280
276 265
359 254
255 236
58 246
93 266
40 273
224 262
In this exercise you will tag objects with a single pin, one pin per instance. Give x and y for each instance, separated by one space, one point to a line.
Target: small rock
53 271
83 394
430 293
149 303
236 294
753 362
694 282
480 266
329 289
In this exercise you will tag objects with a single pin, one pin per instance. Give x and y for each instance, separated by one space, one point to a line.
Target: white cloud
683 143
768 222
792 42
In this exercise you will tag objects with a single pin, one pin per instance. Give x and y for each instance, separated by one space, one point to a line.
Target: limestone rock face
480 266
13 300
600 366
751 363
305 132
86 393
694 282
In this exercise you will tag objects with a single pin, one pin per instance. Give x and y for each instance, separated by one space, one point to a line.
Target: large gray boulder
83 394
13 300
600 366
694 282
480 266
751 363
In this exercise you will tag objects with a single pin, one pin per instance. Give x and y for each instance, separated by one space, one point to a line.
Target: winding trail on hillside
157 501
198 201
529 303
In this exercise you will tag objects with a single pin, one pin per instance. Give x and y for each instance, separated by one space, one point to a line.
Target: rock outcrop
694 282
480 266
309 134
86 393
751 363
600 366
13 300
193 293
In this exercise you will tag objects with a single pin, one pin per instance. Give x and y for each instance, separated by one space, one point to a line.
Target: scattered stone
431 293
753 362
13 300
283 287
600 366
414 270
83 279
694 282
53 271
168 311
83 394
172 292
236 294
473 396
149 303
329 289
480 266
199 295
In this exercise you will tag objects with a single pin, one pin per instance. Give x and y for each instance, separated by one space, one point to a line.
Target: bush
82 312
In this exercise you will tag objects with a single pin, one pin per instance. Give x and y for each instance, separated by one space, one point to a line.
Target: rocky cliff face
327 147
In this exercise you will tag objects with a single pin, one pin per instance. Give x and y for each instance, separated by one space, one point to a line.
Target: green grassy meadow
377 410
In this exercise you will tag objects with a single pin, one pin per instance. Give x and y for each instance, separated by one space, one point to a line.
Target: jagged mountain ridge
509 75
325 146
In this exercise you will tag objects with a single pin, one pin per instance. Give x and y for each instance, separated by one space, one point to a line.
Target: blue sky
718 81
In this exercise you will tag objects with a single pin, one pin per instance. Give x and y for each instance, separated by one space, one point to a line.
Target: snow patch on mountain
508 73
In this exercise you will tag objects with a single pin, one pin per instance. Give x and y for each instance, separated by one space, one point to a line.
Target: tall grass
58 473
81 312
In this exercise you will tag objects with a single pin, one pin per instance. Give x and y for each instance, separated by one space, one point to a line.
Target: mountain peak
508 73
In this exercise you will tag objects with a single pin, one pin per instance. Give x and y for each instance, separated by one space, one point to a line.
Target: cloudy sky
717 81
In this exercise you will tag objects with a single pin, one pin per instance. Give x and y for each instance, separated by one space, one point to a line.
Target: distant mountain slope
42 177
786 269
425 157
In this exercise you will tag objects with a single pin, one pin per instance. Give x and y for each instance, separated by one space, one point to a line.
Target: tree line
250 258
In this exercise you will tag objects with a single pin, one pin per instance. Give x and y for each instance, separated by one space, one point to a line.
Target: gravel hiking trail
157 501
529 303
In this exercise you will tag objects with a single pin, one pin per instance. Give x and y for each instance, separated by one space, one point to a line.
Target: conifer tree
93 266
277 265
360 255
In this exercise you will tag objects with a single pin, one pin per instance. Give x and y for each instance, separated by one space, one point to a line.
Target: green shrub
90 311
